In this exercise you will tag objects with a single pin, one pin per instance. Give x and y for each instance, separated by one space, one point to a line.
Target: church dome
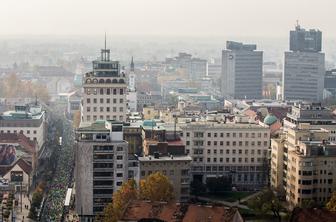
270 119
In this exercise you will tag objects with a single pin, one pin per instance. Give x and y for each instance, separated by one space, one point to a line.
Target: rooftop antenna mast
105 41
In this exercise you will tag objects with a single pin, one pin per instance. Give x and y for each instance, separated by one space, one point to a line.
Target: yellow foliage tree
331 205
156 187
121 198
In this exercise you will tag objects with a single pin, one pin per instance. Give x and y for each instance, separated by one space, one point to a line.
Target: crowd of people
57 188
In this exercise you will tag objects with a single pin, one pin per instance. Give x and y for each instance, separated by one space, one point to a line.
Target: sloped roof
25 142
138 210
312 215
26 167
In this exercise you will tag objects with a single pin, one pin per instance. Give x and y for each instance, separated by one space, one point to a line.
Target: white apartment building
102 165
29 120
105 90
237 150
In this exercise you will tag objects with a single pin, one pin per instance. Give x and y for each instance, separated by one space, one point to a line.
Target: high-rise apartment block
242 68
102 165
303 165
104 96
235 150
304 66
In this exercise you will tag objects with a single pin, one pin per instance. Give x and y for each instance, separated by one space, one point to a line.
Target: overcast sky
165 17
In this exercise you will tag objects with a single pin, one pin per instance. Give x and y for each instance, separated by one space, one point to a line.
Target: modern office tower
242 68
307 41
237 150
102 165
29 119
132 93
303 165
304 67
176 168
198 69
104 96
314 114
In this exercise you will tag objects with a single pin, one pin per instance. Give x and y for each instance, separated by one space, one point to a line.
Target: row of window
184 172
108 109
21 131
234 135
101 117
103 91
108 100
246 152
233 160
228 143
231 169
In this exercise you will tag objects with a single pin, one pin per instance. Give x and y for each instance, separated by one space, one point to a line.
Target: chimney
156 155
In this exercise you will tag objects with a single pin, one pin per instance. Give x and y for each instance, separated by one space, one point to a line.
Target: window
119 148
121 109
228 143
119 157
187 143
215 143
121 100
114 101
233 134
234 143
221 143
108 91
227 151
209 151
114 91
227 134
215 160
240 143
94 109
221 160
209 143
107 109
209 134
28 131
107 100
221 151
101 109
119 166
88 100
215 151
215 134
88 118
221 134
101 91
240 151
188 134
121 91
94 100
265 143
233 151
88 109
101 100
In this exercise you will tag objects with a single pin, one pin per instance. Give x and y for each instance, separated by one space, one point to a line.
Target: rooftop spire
132 65
105 53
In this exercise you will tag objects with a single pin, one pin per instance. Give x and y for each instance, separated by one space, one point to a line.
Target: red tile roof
26 167
25 142
312 215
172 211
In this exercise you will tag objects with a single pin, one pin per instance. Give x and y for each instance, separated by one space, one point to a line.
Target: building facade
176 168
242 70
304 66
105 90
102 166
237 150
30 120
303 165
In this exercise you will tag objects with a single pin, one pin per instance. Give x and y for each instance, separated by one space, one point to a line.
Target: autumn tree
266 202
331 205
126 193
156 187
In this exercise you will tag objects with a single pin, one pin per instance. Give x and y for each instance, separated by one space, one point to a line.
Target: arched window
101 81
121 81
114 81
108 81
95 91
121 91
88 91
88 81
95 81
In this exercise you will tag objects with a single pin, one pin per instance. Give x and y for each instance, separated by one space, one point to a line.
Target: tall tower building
104 96
241 71
132 93
304 67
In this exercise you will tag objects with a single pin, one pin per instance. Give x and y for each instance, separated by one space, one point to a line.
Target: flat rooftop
151 158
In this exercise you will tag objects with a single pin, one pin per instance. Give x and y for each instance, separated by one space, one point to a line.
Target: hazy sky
165 17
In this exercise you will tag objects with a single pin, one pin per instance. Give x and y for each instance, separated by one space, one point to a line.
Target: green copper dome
270 119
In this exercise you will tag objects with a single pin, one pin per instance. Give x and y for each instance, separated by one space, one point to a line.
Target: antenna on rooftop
105 41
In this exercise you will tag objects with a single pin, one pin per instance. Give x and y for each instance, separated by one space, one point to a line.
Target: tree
331 205
266 202
127 192
156 187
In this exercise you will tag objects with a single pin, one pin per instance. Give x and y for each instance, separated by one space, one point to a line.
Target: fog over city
167 110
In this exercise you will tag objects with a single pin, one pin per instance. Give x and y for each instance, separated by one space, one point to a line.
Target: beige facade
303 164
176 168
236 150
150 113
